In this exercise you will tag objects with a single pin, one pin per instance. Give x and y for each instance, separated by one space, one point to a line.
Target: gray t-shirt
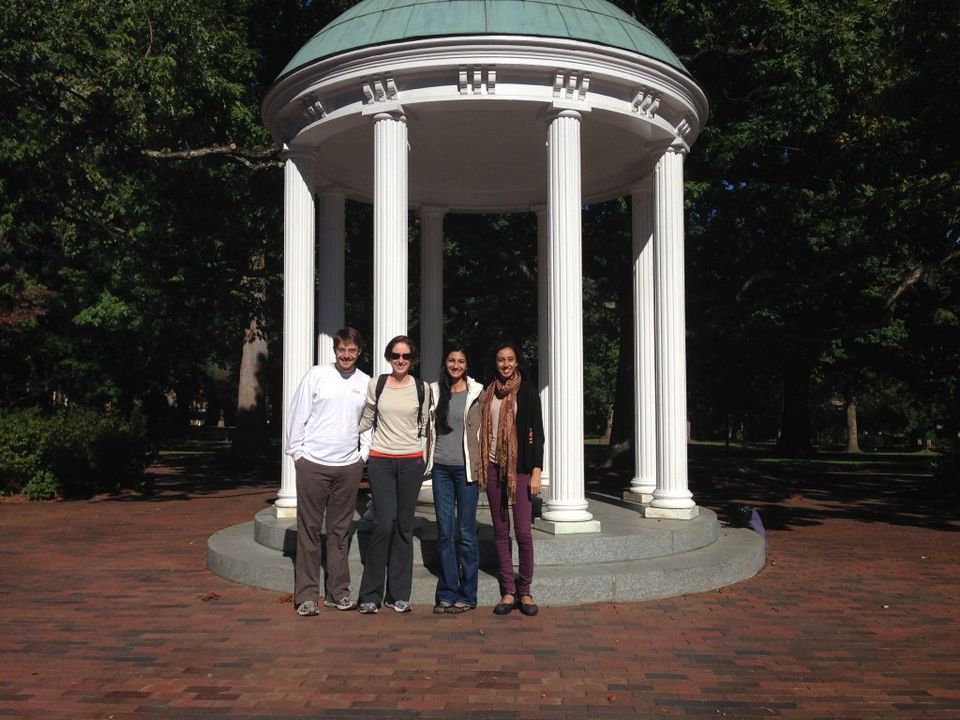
449 448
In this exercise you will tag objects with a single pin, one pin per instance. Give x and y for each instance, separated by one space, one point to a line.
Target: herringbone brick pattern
108 611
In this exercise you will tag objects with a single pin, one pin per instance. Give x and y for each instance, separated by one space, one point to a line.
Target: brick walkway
107 611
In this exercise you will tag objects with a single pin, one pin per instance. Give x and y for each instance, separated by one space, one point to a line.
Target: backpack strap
381 383
420 394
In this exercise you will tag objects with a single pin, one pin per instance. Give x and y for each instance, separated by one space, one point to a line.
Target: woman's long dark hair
443 404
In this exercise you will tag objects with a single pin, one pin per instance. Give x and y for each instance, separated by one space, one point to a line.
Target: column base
641 498
671 513
285 512
567 528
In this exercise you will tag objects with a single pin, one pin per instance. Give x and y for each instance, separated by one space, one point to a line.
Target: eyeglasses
397 356
349 352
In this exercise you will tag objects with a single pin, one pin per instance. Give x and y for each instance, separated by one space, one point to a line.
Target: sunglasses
397 356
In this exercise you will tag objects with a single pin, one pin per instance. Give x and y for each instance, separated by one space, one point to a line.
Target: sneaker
344 603
368 608
400 606
308 608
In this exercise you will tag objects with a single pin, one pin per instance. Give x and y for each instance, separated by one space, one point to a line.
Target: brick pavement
107 611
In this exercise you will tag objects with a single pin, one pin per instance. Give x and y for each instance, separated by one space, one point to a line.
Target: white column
330 271
431 292
566 506
389 233
298 279
543 341
644 374
671 498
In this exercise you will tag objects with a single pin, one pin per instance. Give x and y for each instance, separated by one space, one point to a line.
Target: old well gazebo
479 106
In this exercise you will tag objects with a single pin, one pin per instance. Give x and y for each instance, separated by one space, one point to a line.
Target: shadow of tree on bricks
789 493
199 467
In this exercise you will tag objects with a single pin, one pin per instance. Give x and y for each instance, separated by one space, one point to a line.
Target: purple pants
522 521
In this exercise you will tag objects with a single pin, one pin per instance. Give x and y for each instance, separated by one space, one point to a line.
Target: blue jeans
458 580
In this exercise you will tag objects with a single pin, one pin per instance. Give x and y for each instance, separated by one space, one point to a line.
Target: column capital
299 155
432 210
330 190
554 113
679 147
390 111
643 188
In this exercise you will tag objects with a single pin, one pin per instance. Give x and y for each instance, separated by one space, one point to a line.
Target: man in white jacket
329 455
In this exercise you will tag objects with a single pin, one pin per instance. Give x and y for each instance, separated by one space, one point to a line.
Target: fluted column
566 506
389 233
330 271
431 292
543 340
298 279
644 372
671 498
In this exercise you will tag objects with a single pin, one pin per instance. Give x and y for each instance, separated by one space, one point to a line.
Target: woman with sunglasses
396 408
453 443
509 464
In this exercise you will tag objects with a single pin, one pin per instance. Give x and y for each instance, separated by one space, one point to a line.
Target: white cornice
439 61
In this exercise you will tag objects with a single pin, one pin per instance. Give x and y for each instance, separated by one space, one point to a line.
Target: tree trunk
853 444
251 430
795 419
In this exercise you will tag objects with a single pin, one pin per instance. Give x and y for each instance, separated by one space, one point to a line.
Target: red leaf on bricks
208 596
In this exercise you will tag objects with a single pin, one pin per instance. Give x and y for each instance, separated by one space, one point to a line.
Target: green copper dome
374 22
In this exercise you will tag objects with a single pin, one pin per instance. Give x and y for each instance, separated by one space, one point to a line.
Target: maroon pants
511 584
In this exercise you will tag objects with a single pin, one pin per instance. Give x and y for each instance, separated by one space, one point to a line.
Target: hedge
74 452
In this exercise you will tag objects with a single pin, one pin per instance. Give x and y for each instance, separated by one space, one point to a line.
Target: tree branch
918 274
253 158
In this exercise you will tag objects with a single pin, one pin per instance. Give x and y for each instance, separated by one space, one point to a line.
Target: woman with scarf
509 462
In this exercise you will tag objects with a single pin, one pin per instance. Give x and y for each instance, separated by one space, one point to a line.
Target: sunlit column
671 498
543 341
330 271
644 374
566 506
389 233
298 279
431 292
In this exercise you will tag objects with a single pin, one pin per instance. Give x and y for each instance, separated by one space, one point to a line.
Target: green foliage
73 452
822 228
42 486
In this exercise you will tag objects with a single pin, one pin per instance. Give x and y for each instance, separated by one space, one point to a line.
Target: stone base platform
633 558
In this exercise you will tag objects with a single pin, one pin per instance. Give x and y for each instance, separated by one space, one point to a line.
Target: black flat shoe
528 608
503 608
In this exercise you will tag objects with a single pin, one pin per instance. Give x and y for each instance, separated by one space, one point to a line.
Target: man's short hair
347 335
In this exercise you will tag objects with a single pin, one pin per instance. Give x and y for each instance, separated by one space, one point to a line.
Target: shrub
75 451
21 433
42 486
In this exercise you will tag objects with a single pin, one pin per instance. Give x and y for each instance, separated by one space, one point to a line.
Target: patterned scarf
506 440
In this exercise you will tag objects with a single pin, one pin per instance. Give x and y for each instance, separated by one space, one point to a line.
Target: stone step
734 555
626 535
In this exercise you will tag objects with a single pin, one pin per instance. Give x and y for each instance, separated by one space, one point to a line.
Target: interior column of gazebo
660 482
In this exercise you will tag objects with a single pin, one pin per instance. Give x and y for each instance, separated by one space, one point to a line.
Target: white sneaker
344 603
308 608
400 606
368 608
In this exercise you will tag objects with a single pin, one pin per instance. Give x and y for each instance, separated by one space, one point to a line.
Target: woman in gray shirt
453 443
